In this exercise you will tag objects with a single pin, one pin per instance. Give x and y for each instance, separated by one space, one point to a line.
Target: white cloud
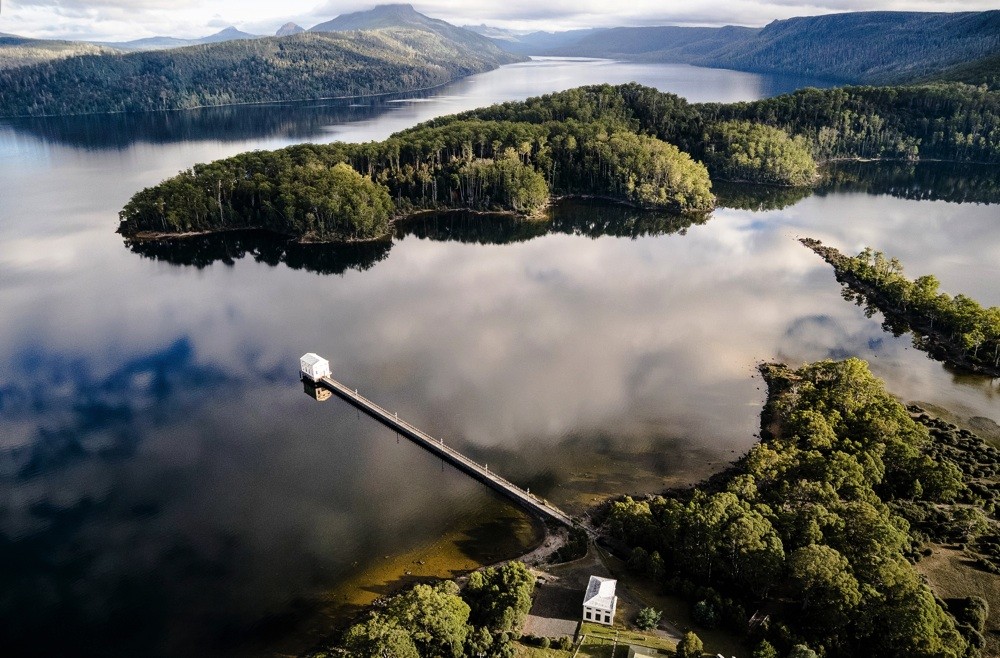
128 19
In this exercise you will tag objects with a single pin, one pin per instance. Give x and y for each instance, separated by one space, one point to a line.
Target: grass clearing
609 634
951 574
522 650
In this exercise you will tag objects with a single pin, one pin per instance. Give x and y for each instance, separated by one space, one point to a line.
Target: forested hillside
301 66
984 71
871 47
668 43
20 51
855 47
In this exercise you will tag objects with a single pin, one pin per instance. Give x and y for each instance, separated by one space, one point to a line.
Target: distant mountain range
21 51
388 49
858 47
406 17
534 43
161 43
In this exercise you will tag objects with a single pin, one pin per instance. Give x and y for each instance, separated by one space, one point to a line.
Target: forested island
628 143
957 330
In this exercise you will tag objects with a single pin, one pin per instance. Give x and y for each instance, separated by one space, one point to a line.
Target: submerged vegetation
801 542
627 142
957 330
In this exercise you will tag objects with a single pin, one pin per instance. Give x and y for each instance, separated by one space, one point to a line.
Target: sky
114 20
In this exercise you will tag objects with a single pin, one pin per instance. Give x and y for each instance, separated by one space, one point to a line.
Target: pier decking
532 504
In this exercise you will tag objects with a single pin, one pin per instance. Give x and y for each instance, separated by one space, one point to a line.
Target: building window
607 619
587 614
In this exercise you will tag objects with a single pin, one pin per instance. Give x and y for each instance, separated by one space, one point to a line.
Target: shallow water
167 485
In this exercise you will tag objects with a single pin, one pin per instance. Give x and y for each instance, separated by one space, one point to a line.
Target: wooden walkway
533 504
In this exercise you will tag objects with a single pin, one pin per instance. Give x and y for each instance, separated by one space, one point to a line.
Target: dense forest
807 528
626 142
745 151
18 51
980 72
473 164
948 122
301 66
958 330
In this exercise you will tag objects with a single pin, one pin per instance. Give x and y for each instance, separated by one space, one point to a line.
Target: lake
169 488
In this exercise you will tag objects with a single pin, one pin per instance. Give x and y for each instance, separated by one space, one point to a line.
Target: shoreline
538 215
936 344
258 103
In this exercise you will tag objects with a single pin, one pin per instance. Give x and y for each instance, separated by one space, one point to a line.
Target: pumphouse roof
600 593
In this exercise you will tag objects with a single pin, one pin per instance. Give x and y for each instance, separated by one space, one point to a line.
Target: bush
765 650
801 651
976 611
648 619
690 646
705 614
575 548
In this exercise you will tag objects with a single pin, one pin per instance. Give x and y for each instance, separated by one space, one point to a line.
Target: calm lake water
169 489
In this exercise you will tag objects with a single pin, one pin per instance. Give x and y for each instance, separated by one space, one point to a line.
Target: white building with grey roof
600 602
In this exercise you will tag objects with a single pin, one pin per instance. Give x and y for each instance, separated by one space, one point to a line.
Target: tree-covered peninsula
630 143
810 539
957 330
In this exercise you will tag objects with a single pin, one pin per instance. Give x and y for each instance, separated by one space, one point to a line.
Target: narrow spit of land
955 330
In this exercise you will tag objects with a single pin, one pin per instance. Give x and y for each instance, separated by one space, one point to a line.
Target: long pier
540 508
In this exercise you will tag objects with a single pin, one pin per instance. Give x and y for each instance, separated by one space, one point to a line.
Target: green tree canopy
756 153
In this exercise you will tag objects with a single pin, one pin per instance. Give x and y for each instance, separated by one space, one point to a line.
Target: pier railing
480 472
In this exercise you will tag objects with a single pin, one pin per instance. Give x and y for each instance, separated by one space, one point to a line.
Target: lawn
597 634
593 647
951 575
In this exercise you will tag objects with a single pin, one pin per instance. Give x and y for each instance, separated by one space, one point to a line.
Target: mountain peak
380 16
288 29
227 34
